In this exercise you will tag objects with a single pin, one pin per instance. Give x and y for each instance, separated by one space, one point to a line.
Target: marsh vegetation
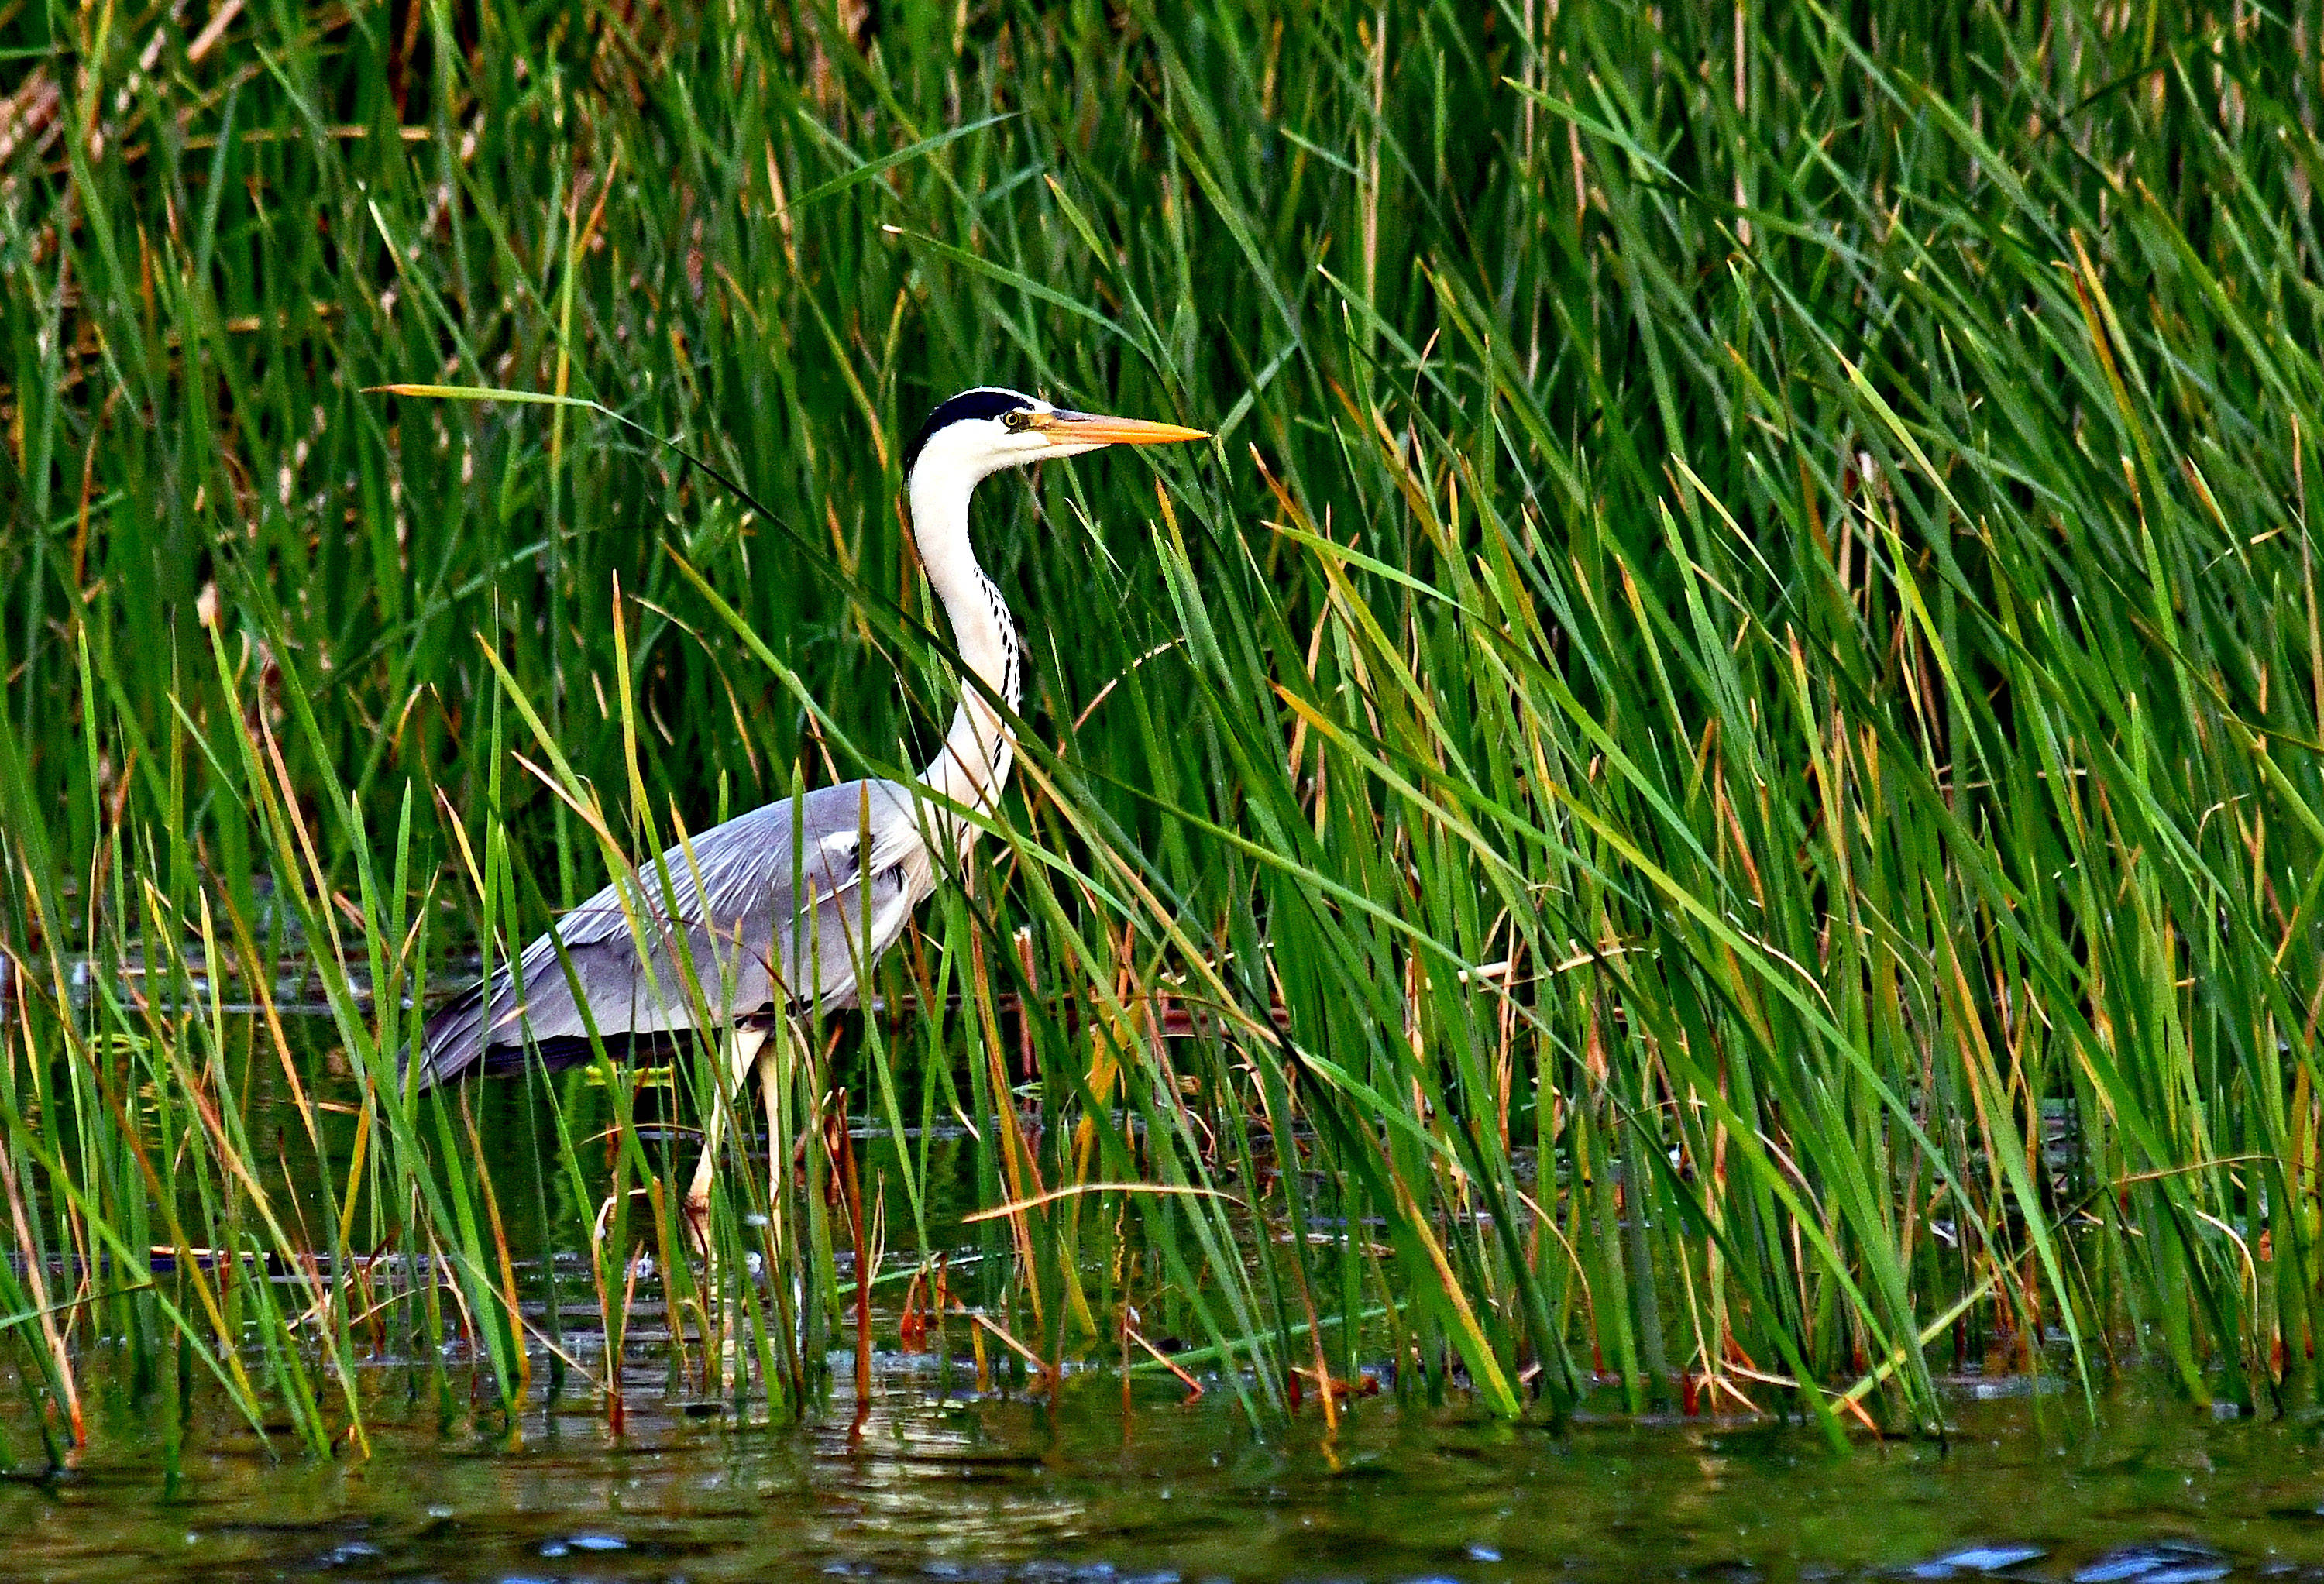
1710 796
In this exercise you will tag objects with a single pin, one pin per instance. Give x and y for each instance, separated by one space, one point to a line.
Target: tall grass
1722 756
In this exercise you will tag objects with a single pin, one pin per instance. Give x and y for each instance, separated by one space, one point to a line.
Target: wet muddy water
941 1483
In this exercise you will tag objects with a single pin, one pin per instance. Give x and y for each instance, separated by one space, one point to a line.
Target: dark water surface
965 1487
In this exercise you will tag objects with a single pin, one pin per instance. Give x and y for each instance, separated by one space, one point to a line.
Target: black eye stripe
988 401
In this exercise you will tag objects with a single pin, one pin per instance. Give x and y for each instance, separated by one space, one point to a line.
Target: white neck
972 766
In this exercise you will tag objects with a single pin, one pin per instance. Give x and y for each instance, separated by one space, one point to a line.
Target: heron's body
790 906
795 916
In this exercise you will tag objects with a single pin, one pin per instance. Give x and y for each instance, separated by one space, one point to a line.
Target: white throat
972 766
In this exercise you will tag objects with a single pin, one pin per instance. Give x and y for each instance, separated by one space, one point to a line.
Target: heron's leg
772 1077
777 1062
742 1054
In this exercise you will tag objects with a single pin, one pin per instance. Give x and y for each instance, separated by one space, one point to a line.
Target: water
942 1484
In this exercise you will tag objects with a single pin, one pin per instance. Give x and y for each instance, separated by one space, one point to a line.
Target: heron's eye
1015 421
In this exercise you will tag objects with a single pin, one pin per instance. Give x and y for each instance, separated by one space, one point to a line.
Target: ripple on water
2157 1561
1976 1558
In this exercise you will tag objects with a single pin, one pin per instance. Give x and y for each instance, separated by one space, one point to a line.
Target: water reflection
956 1485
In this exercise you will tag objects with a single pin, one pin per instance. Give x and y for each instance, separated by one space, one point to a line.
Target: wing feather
773 908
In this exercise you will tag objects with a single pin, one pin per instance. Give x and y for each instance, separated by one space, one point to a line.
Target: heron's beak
1065 428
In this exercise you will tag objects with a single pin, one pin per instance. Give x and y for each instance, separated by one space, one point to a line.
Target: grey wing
790 903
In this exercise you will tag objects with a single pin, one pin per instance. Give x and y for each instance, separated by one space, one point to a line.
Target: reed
1710 795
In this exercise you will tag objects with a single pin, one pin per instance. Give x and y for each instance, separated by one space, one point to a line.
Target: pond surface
942 1484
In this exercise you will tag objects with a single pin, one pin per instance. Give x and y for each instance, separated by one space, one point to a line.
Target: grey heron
789 905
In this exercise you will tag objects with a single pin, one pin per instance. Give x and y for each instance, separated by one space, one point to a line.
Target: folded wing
788 904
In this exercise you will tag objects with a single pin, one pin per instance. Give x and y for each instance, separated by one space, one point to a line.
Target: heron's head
979 432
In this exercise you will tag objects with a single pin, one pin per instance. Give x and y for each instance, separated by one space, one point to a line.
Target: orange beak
1091 428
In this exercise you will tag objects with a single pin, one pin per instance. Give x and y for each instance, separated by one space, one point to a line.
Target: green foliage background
1743 667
